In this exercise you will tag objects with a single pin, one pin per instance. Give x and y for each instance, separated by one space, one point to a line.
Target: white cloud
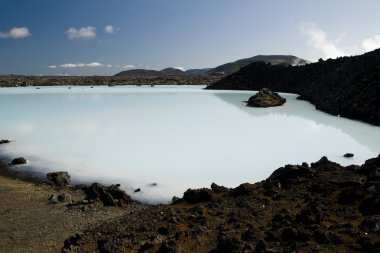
71 65
318 39
129 67
372 43
87 32
111 29
93 64
16 33
80 65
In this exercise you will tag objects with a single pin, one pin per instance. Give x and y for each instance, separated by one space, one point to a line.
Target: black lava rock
60 178
19 161
266 98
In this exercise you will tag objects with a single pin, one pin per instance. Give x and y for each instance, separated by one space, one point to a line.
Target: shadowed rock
266 98
108 195
198 195
60 178
219 188
243 190
18 161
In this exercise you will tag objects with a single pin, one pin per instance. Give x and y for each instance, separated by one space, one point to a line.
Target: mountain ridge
232 67
224 69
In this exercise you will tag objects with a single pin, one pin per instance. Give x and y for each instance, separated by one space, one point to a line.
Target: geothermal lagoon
166 139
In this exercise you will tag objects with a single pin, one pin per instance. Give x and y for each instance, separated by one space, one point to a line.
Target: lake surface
179 137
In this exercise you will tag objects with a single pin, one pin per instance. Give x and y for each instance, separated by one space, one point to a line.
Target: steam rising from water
178 137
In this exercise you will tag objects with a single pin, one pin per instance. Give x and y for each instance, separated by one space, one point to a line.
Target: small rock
371 223
18 161
138 190
249 235
198 195
321 237
260 246
175 199
218 188
64 197
243 190
170 246
53 199
289 234
348 155
370 206
59 198
60 178
4 141
350 195
228 244
109 196
163 230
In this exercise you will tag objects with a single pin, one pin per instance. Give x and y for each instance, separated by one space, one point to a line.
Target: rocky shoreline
322 207
22 81
346 86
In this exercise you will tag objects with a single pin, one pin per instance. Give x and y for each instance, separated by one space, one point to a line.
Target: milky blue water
179 137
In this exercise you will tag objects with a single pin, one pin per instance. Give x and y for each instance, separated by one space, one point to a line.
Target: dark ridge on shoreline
346 86
24 81
324 207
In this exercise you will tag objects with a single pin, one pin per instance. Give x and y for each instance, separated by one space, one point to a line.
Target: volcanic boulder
60 178
108 195
18 161
266 98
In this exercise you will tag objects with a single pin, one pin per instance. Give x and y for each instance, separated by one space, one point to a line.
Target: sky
99 37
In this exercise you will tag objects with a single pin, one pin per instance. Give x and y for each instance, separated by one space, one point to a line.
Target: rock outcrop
60 178
108 195
265 98
346 86
321 207
19 161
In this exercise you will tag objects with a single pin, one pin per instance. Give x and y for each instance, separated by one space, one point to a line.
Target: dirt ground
30 223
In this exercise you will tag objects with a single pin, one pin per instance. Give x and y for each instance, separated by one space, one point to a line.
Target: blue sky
98 37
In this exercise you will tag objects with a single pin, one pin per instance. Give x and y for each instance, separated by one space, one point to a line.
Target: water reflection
363 133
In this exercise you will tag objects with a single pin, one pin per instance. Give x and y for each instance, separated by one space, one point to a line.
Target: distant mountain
172 71
232 67
140 72
147 72
225 69
197 71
